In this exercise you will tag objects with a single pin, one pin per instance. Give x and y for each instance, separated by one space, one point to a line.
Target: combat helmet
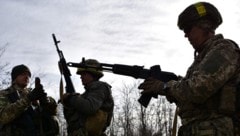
199 11
92 66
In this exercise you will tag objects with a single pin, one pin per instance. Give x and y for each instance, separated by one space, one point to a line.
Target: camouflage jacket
210 83
13 106
97 96
18 117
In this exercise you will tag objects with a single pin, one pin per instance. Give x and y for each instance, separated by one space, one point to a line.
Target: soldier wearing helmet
90 113
92 68
199 11
206 95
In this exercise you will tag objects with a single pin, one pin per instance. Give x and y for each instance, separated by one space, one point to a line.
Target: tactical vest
225 101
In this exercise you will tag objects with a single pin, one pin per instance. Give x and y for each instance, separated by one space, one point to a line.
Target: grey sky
134 32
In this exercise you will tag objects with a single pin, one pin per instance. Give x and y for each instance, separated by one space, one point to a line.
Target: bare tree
4 74
144 129
127 117
132 119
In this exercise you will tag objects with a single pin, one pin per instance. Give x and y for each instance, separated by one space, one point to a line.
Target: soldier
90 113
17 115
47 117
206 96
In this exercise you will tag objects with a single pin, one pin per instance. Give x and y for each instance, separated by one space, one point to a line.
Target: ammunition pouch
95 123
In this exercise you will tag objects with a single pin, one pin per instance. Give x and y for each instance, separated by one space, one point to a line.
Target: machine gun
63 68
133 71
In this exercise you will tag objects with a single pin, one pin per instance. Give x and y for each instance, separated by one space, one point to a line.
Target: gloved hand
152 86
36 93
67 97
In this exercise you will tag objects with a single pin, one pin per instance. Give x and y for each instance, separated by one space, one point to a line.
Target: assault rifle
133 71
63 68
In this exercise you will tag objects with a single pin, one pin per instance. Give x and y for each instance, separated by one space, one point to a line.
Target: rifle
133 71
63 68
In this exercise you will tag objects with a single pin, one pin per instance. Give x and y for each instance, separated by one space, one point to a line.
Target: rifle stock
135 71
64 68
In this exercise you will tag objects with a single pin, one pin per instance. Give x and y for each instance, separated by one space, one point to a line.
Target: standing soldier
89 114
206 96
17 115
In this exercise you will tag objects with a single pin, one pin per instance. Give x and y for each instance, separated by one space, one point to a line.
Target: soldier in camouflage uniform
206 96
17 115
90 113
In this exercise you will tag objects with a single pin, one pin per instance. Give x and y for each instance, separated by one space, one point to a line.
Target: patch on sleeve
214 62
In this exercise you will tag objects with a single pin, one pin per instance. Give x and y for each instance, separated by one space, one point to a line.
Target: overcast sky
132 32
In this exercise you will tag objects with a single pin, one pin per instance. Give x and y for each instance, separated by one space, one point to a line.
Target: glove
67 97
36 93
152 86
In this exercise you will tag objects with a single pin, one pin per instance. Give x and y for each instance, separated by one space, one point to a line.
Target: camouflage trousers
222 126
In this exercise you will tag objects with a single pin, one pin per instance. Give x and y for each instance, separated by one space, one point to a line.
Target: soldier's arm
92 102
214 71
10 111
